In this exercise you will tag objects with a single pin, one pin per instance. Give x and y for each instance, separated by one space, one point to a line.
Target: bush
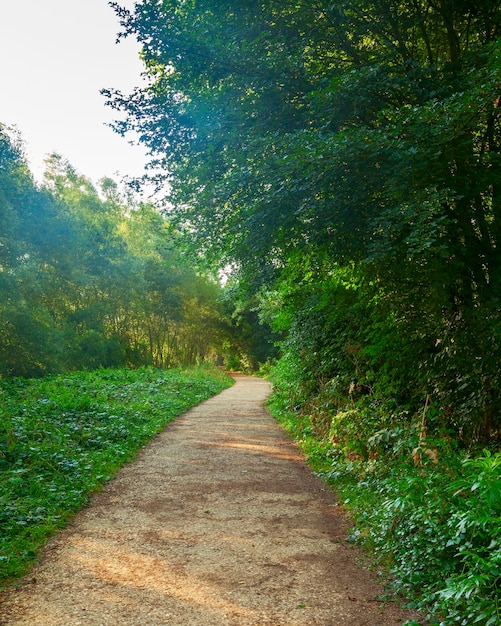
428 512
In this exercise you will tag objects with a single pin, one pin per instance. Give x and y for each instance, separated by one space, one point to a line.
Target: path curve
218 522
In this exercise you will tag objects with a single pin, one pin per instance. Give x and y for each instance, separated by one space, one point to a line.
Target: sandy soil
218 522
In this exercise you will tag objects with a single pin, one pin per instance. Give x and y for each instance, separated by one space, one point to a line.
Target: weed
429 513
63 437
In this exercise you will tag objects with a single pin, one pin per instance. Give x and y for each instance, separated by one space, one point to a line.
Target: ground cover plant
427 510
62 437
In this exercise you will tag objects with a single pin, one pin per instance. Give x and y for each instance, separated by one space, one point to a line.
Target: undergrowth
428 512
62 437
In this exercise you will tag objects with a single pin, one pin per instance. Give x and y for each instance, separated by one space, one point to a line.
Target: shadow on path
218 522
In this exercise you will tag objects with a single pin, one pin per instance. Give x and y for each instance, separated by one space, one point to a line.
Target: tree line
344 159
91 277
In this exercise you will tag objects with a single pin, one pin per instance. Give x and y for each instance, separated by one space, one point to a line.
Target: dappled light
207 528
326 217
123 570
255 447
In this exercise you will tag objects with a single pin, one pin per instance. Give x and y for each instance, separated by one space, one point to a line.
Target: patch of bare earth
218 522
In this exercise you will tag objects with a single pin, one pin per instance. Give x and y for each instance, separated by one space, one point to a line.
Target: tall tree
366 132
89 277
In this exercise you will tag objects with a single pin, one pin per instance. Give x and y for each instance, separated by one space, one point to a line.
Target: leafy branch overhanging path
218 522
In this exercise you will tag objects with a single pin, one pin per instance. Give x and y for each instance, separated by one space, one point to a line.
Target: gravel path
218 522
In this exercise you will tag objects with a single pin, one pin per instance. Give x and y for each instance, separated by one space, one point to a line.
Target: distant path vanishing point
218 522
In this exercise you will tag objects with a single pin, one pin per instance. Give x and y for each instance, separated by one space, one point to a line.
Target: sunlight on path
218 522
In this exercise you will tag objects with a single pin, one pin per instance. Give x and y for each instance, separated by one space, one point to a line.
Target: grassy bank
428 512
62 437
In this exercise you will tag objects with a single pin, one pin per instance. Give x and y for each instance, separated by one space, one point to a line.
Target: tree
364 134
90 277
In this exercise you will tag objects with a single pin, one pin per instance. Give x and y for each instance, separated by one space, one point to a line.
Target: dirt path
219 522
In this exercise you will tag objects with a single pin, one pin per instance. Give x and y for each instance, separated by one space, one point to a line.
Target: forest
340 164
95 278
343 159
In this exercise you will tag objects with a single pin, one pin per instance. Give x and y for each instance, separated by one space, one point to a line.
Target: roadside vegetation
425 509
343 160
339 165
64 436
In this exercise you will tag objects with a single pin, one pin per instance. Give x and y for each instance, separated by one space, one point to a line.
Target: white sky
55 56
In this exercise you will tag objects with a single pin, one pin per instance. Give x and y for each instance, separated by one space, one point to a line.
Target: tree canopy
353 146
91 277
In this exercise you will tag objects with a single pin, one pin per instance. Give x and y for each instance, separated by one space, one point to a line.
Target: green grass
63 437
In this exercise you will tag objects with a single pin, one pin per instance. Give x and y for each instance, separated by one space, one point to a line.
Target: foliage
308 139
90 277
62 437
428 512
